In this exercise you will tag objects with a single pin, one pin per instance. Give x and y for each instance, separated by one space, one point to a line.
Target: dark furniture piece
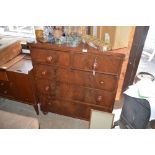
16 80
135 114
71 82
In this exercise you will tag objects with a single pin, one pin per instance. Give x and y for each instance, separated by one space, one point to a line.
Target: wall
119 35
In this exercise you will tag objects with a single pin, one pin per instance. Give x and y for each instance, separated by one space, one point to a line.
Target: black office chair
135 114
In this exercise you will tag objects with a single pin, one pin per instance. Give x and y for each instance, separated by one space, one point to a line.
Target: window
18 31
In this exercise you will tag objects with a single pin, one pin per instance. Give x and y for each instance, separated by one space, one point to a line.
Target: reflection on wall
119 35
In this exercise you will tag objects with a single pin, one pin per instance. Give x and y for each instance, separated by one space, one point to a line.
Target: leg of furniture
36 108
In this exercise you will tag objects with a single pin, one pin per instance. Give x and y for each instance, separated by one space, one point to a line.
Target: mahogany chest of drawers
71 82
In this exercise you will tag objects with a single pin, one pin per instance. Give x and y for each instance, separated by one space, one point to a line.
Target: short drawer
50 57
102 63
46 99
44 71
45 86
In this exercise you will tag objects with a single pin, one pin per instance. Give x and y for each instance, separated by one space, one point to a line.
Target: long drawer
86 95
50 57
81 78
69 108
71 92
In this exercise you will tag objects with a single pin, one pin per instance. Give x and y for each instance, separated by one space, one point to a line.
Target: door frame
135 54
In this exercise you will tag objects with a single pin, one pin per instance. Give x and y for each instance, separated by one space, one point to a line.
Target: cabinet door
22 87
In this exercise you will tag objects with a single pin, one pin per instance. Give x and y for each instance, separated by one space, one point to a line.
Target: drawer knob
47 88
101 82
2 84
49 103
43 73
49 59
99 98
5 92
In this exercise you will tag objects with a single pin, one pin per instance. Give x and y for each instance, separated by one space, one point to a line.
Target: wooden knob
47 88
2 84
43 73
49 59
5 92
11 84
101 82
27 99
99 98
49 103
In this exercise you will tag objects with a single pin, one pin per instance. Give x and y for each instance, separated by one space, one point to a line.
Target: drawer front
5 88
107 64
97 97
46 100
45 86
86 79
44 71
68 108
50 57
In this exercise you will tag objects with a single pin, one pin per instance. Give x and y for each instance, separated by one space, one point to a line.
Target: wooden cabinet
16 81
70 82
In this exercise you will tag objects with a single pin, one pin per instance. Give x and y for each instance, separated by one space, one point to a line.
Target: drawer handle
102 82
49 59
43 73
99 98
47 88
2 84
95 66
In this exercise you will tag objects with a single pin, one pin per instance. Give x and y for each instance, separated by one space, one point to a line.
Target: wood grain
73 82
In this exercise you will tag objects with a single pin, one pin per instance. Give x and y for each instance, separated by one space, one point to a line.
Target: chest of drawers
70 82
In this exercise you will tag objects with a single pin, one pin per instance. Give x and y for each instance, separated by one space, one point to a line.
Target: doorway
147 60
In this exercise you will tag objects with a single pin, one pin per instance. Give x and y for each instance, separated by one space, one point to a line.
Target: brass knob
47 88
49 59
43 72
99 98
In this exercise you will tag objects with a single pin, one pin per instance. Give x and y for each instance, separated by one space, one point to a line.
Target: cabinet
70 82
16 81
